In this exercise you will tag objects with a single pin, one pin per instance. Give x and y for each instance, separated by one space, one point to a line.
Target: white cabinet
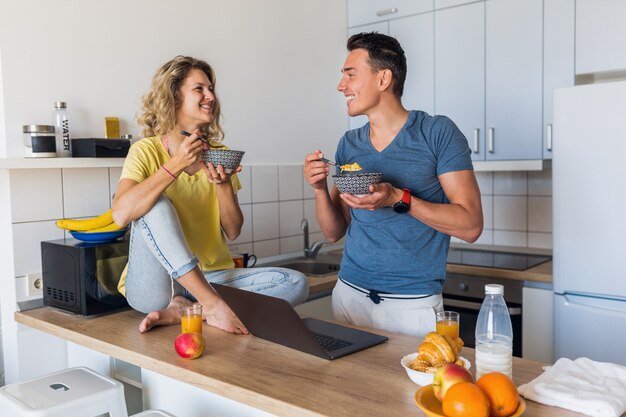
488 70
558 59
460 71
361 12
440 4
513 79
537 324
415 34
600 35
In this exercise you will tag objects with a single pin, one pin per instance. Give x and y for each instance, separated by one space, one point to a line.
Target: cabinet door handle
490 139
475 147
385 12
549 137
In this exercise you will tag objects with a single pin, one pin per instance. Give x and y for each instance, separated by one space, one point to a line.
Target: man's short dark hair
385 52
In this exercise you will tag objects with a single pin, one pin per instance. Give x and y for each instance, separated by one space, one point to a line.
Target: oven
465 293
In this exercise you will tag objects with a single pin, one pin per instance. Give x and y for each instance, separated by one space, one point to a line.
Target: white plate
423 378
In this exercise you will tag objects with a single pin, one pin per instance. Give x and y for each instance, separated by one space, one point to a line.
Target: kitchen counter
262 374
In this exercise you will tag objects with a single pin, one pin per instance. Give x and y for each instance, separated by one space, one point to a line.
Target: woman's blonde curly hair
158 110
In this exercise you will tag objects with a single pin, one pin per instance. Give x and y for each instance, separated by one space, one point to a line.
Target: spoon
185 133
328 161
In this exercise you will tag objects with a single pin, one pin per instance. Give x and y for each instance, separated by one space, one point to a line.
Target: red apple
448 375
189 345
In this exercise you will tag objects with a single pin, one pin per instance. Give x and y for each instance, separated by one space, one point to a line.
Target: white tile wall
265 248
264 184
290 182
517 208
27 239
36 194
265 221
86 192
290 213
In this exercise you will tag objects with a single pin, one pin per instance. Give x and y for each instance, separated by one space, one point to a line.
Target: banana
84 225
108 228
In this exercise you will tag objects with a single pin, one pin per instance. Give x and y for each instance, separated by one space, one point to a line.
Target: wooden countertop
539 273
262 374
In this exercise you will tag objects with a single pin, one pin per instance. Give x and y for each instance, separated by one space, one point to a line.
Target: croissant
436 351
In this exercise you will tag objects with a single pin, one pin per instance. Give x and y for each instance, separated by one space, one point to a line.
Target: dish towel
593 388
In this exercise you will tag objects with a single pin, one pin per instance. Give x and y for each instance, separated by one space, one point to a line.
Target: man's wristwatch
403 205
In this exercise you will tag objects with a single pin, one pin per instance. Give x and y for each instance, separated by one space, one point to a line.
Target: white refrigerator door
589 189
589 327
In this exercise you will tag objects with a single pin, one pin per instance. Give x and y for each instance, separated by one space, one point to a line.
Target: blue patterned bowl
356 183
228 158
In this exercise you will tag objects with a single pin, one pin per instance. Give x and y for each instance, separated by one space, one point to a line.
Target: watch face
401 207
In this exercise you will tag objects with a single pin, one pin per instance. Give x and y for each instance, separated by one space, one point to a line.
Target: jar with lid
39 141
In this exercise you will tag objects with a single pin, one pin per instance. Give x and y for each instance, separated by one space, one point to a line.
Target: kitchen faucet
310 252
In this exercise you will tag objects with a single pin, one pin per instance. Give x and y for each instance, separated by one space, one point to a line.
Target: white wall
277 64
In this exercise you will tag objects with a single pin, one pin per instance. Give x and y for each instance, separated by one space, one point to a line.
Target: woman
181 210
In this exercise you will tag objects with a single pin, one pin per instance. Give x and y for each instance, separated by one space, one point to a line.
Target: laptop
274 319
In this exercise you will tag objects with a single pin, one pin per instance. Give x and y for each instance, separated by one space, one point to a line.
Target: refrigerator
589 220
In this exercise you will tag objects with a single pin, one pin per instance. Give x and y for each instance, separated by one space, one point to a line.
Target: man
397 238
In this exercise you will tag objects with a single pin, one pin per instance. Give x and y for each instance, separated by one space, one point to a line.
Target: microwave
82 277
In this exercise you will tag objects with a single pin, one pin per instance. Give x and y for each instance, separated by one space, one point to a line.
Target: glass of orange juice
191 318
448 323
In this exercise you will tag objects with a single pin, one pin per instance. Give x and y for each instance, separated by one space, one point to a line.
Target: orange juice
449 327
191 324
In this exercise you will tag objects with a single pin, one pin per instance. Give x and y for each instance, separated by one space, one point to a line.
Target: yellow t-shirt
195 201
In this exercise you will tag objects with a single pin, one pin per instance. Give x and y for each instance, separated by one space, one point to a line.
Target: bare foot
222 317
169 315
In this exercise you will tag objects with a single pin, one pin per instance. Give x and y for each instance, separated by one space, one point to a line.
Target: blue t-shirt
391 252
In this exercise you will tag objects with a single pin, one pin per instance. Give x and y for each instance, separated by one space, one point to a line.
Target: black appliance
82 277
495 259
465 294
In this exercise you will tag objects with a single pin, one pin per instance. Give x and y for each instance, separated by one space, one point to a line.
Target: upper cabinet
361 12
488 60
513 90
491 66
600 36
460 71
558 59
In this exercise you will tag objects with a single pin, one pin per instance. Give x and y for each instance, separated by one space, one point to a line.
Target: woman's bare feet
169 315
222 317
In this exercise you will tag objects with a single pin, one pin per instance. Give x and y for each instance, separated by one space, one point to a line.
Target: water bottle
494 334
62 126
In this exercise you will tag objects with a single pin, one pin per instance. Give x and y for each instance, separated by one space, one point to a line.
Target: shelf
45 163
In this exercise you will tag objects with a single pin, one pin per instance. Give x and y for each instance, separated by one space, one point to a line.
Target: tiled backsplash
517 208
274 200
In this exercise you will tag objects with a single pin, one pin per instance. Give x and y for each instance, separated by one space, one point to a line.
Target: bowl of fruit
454 393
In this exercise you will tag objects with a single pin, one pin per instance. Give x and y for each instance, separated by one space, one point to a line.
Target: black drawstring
374 296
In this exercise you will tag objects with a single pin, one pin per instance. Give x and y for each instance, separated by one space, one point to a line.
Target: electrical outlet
35 285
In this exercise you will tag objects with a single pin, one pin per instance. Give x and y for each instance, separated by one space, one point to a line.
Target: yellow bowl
431 406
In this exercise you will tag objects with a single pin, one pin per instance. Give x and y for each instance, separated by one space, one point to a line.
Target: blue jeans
159 255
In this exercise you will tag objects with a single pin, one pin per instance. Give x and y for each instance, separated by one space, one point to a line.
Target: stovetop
495 259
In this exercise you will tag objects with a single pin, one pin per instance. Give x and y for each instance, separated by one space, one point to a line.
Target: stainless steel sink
323 265
318 269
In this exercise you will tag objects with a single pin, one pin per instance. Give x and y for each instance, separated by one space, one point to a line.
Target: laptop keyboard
330 343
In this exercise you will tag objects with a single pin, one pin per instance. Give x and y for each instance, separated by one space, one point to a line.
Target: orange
502 393
465 399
